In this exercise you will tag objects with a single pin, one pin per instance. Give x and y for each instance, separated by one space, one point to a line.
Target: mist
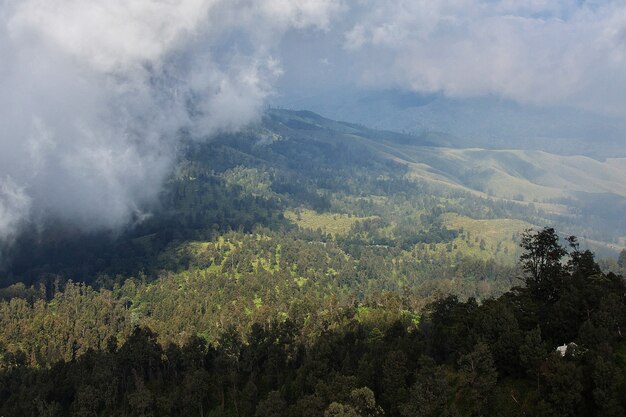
96 93
545 53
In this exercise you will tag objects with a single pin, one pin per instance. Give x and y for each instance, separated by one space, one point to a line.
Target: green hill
360 187
310 267
568 187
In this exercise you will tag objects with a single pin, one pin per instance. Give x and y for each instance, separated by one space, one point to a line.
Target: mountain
298 169
309 267
484 122
534 175
564 187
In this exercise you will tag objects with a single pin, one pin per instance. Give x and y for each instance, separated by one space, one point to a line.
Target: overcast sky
552 53
94 91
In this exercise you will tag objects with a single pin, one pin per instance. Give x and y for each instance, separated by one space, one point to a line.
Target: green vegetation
487 238
298 169
306 267
320 356
333 223
236 280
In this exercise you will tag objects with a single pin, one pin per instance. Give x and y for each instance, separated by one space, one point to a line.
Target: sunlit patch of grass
487 238
333 223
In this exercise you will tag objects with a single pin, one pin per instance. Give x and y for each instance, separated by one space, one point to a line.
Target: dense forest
382 355
294 270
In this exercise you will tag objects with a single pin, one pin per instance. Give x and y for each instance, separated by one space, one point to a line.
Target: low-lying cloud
95 92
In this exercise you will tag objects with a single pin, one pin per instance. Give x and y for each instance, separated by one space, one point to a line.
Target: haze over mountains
559 184
485 122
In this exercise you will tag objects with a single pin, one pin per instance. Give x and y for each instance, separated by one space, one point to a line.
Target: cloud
537 52
94 93
13 204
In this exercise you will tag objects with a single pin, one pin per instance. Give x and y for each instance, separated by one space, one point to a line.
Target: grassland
333 223
487 238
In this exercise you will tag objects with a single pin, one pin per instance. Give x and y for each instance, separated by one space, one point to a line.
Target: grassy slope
531 175
554 183
333 223
506 173
498 236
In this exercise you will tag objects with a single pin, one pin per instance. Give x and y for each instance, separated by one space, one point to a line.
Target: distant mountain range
488 122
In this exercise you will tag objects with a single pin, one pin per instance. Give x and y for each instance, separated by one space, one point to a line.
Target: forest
382 355
293 174
293 270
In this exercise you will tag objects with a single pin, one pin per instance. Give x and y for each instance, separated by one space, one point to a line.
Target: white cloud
95 91
14 203
109 35
533 51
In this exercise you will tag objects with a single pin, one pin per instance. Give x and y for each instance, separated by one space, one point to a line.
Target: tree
394 380
541 262
196 387
336 409
430 394
272 406
496 325
361 403
607 378
560 388
141 400
532 352
86 401
364 402
581 263
477 379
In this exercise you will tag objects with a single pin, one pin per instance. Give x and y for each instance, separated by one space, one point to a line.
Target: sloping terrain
303 249
334 181
569 186
487 122
531 175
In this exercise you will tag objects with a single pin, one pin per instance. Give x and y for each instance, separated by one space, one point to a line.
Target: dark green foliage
272 406
541 262
245 181
532 351
477 379
560 388
355 360
608 381
430 395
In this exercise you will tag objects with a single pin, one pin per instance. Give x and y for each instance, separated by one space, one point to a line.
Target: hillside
365 188
288 266
564 187
490 122
262 325
312 208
